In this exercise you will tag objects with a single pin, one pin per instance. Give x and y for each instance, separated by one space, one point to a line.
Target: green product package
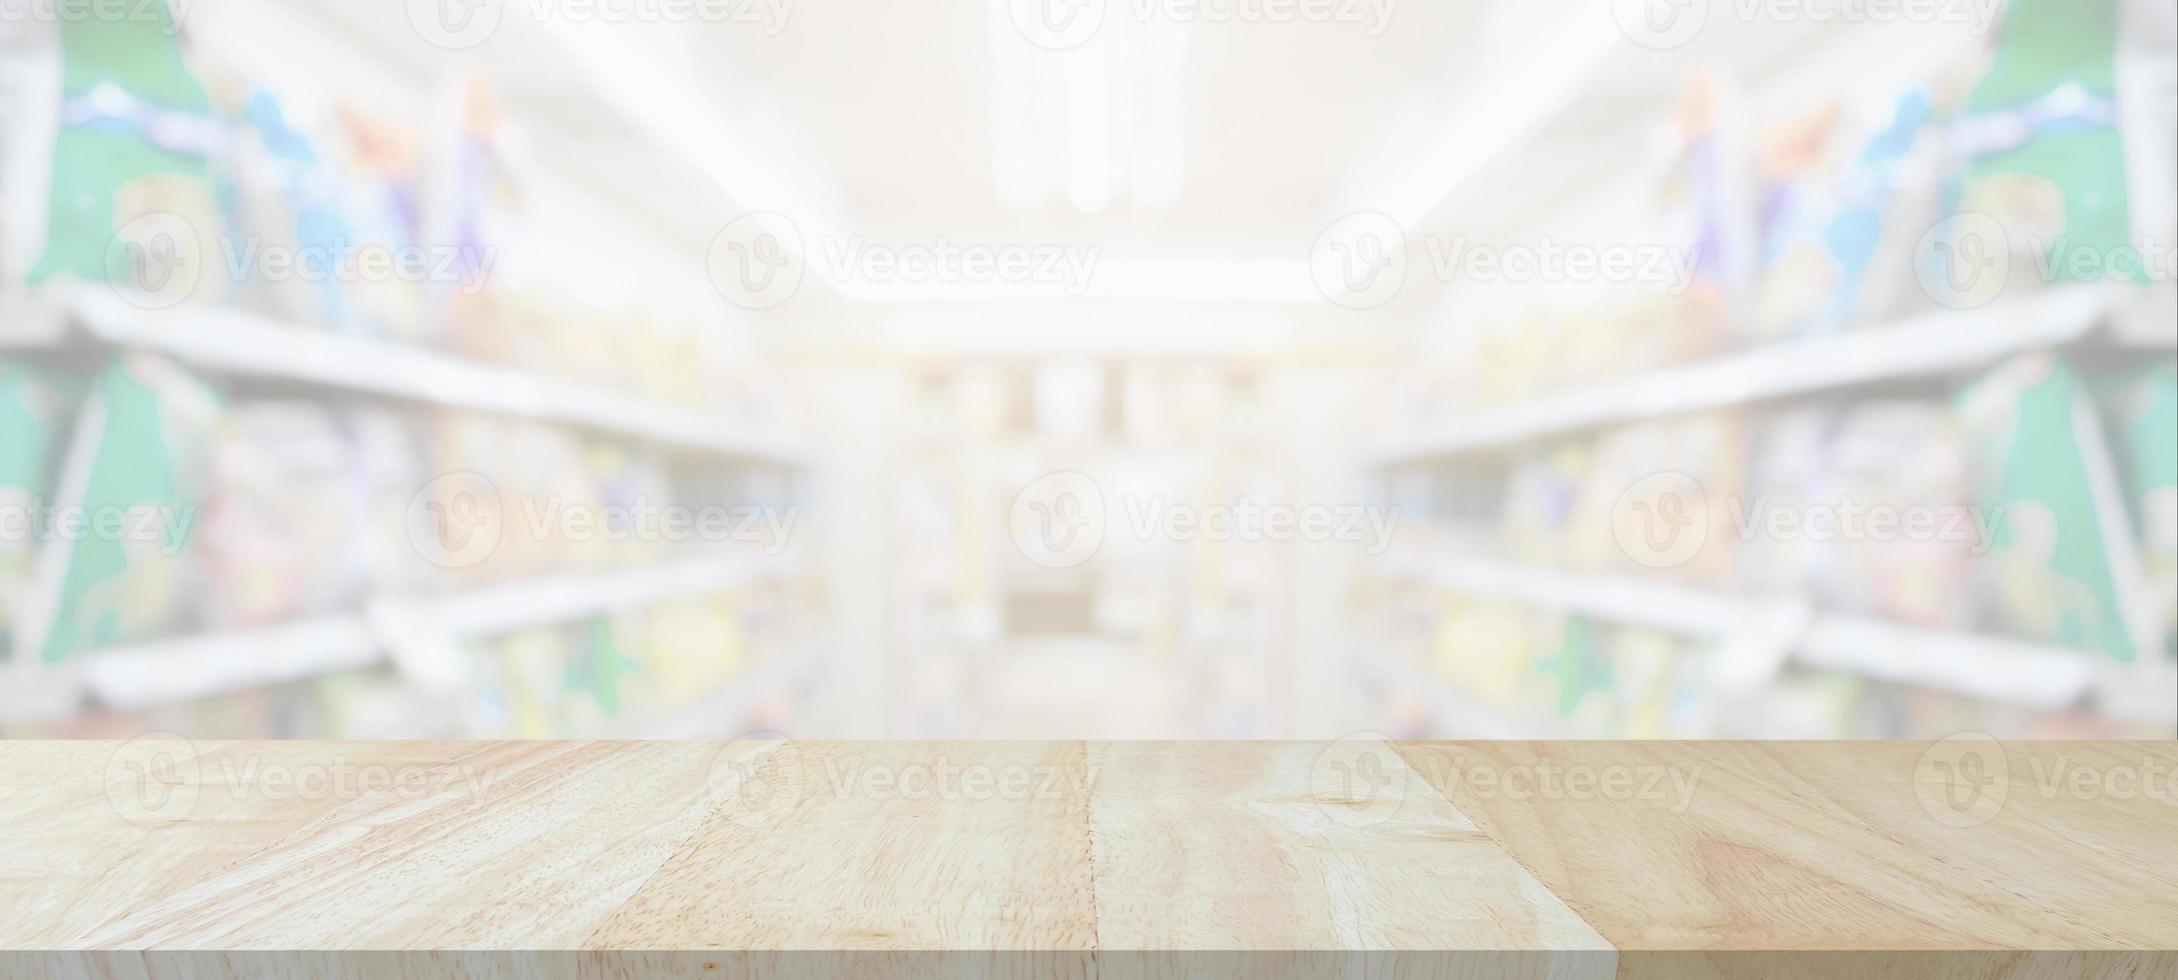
136 463
135 143
2046 156
2033 440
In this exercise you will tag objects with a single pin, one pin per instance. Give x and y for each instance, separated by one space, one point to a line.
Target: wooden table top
1956 859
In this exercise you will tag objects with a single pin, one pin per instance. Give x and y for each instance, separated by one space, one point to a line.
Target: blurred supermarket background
1073 368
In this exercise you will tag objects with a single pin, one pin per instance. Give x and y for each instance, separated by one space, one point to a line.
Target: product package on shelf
136 468
608 675
502 492
2142 411
1656 483
1789 475
473 208
1706 201
632 489
2049 572
2044 157
388 485
36 408
277 541
133 199
382 195
339 253
1898 471
1540 498
1839 241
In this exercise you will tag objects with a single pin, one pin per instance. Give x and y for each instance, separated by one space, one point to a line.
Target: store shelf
1997 669
1933 344
1658 605
184 669
568 598
240 343
2149 320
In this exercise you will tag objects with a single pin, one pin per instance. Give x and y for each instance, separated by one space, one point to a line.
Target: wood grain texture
882 846
1303 846
1695 852
1963 860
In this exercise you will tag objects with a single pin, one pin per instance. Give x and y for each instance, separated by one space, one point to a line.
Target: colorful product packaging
2043 154
133 200
2049 573
136 469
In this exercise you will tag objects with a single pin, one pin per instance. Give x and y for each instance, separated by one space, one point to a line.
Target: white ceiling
880 116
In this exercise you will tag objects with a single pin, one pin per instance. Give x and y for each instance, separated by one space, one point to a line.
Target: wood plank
882 846
416 845
1964 845
1237 846
1961 860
